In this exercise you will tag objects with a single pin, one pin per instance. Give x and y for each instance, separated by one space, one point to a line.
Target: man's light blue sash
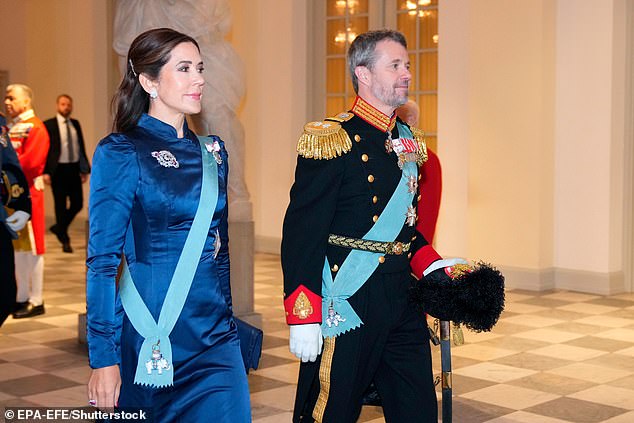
359 265
155 367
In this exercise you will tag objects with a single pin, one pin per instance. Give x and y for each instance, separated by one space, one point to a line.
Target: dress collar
26 115
373 116
161 128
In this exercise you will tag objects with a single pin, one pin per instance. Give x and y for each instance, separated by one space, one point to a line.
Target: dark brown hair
148 53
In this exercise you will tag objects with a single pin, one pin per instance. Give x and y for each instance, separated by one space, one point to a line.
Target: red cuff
422 259
302 306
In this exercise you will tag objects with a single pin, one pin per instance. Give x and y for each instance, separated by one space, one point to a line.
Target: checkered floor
554 357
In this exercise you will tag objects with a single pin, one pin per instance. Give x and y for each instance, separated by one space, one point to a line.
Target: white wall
531 138
271 38
62 49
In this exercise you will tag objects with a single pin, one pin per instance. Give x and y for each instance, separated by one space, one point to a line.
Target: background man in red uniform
31 142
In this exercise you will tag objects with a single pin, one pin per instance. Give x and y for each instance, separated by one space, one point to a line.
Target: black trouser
391 348
7 275
66 184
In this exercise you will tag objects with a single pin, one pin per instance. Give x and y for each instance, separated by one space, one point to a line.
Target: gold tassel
458 336
323 140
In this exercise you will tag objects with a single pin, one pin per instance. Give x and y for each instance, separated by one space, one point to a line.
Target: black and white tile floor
554 357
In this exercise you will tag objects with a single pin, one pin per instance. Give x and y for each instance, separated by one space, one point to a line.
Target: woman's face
180 83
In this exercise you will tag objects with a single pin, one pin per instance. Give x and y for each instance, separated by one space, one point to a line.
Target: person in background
15 197
31 142
67 168
431 178
163 338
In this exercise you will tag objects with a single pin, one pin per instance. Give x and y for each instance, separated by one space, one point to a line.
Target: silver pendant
333 318
410 216
157 362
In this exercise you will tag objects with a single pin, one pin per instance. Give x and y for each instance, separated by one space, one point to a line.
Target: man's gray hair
26 90
362 50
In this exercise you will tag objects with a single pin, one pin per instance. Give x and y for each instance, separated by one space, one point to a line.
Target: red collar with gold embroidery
374 117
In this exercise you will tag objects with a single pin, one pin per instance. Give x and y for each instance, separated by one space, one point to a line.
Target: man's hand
17 220
84 177
306 341
46 178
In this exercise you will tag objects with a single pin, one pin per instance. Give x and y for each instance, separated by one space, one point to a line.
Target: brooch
165 158
214 148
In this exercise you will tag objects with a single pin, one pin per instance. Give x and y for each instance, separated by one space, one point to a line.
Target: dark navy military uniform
344 179
14 191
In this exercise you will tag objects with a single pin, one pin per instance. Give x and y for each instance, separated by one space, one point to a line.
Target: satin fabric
145 207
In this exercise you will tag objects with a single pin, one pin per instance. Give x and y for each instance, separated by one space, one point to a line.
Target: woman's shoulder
118 141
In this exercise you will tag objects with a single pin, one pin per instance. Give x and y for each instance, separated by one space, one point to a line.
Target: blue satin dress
145 209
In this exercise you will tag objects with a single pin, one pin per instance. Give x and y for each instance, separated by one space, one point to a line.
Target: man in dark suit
67 168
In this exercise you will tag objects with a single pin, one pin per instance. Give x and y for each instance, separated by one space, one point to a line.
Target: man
431 181
14 194
30 140
67 168
349 234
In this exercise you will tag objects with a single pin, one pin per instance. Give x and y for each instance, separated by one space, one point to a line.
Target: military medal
333 318
410 216
157 362
4 137
388 146
412 184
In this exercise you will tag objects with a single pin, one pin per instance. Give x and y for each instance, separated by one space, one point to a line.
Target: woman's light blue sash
359 265
155 367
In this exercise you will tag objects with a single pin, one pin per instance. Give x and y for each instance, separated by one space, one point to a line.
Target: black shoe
57 232
19 306
67 248
29 310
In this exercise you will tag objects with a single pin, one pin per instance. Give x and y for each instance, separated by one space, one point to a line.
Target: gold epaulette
323 140
419 136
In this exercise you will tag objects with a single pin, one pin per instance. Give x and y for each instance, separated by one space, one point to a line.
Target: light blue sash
359 265
155 367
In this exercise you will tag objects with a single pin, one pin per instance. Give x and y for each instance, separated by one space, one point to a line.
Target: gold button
414 238
375 218
409 255
381 259
364 157
418 198
335 268
370 178
357 138
375 199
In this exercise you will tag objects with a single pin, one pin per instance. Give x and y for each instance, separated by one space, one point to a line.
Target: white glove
441 264
17 220
306 341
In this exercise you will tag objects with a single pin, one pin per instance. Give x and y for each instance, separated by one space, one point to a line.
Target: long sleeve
113 186
34 152
313 203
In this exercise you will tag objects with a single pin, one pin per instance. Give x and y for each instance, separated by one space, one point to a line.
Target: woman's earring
153 94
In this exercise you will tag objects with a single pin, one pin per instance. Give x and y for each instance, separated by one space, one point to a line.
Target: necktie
69 137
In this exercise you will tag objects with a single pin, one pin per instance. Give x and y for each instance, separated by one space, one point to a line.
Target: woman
163 339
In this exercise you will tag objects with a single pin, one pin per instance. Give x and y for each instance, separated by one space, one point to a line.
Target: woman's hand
103 387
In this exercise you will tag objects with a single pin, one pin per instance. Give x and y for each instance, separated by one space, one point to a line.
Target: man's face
64 106
15 102
390 76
